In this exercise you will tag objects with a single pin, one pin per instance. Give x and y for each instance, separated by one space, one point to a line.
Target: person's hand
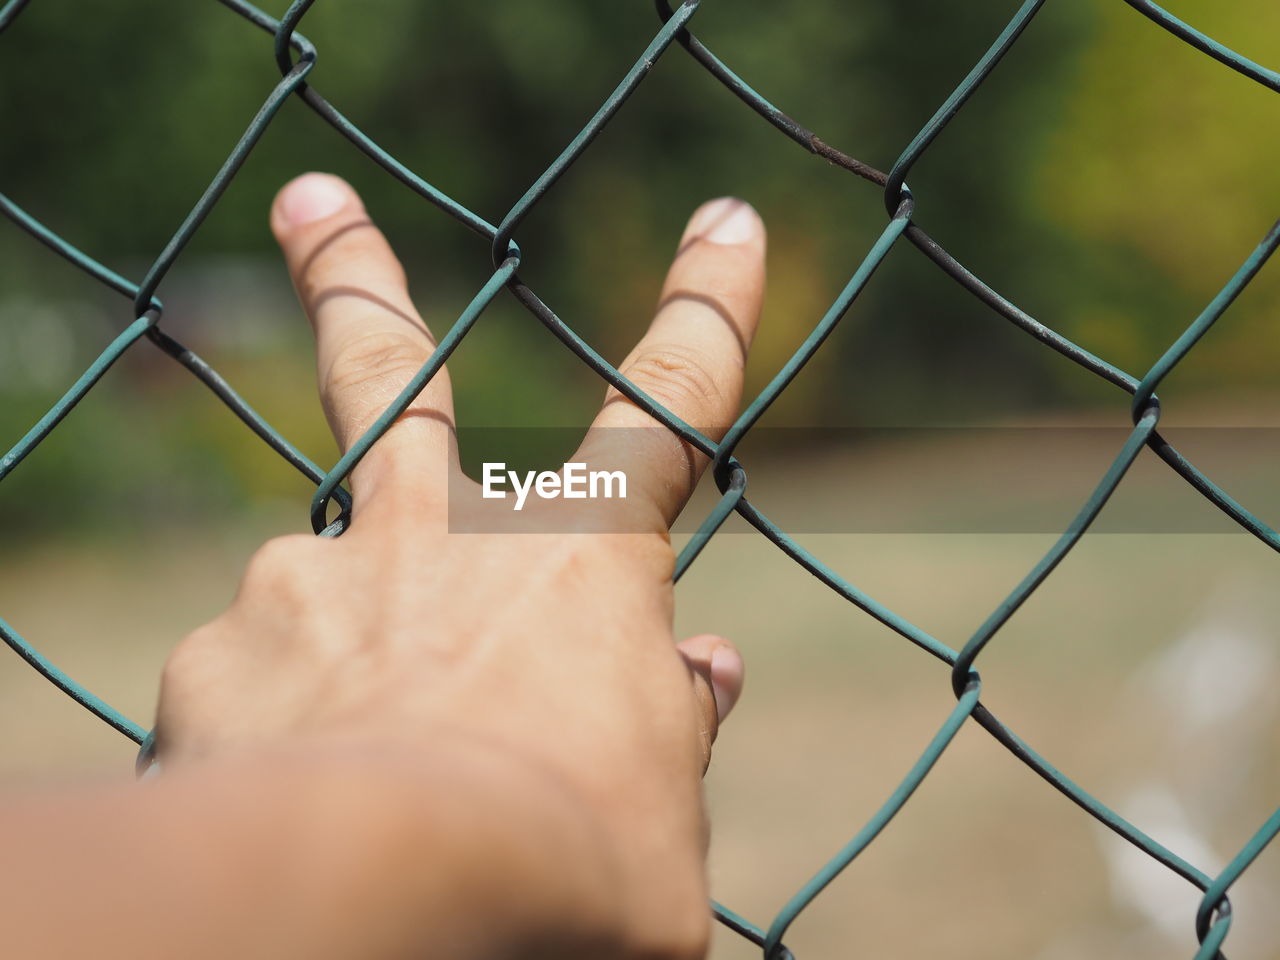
549 654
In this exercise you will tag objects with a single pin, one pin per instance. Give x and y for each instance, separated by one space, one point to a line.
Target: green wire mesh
296 58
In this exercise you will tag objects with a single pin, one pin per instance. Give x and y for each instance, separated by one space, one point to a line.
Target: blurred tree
1106 197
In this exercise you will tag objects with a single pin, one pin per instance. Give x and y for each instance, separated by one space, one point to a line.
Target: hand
550 655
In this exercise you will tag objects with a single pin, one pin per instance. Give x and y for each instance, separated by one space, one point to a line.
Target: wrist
455 850
453 844
521 862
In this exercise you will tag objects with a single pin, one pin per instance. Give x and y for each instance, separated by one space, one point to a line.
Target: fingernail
312 197
726 680
727 221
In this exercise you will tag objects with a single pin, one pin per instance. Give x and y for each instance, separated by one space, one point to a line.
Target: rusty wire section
296 59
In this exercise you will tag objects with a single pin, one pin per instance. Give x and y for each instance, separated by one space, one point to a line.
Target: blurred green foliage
1107 178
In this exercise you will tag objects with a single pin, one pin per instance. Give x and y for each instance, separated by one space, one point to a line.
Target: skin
407 742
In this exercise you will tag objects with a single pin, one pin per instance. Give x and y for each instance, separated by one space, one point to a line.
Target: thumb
717 671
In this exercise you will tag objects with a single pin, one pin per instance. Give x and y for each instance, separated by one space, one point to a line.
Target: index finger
370 340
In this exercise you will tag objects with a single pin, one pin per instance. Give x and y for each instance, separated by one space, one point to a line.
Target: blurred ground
1146 668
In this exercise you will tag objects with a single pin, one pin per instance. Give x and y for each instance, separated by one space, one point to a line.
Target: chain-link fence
296 58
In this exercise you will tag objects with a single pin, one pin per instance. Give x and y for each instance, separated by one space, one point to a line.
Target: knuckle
400 506
686 935
658 554
677 377
377 356
650 549
188 661
695 936
634 557
279 560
